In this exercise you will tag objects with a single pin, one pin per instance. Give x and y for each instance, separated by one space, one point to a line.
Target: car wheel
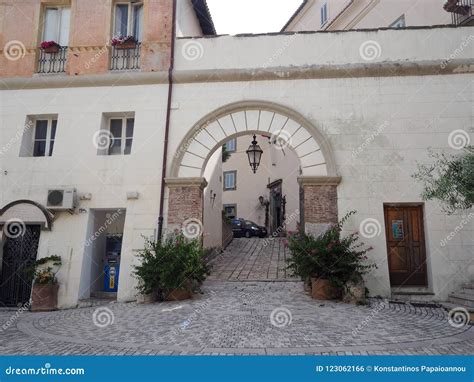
247 234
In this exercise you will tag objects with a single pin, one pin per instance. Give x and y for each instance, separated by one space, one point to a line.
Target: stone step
469 291
462 299
448 306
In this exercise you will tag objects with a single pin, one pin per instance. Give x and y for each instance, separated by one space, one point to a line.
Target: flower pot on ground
44 294
355 293
44 297
149 298
329 259
323 289
171 268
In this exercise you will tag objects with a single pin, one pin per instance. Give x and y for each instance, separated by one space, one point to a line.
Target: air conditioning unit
62 199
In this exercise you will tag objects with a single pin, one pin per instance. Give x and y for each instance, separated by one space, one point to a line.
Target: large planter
146 298
179 295
44 298
354 293
322 289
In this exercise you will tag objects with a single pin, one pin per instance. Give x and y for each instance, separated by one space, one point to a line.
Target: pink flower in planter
48 44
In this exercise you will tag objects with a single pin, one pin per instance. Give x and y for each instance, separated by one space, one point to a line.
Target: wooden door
406 245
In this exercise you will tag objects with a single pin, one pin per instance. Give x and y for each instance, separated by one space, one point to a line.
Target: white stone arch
247 118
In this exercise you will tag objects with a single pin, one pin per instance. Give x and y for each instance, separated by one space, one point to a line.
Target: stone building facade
358 120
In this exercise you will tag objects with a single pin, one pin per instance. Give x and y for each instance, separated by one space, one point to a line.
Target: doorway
406 245
19 253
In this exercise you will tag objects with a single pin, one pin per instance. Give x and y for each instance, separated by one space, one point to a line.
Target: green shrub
173 263
329 256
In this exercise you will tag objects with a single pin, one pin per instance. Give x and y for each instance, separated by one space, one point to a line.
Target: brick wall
320 204
185 202
90 34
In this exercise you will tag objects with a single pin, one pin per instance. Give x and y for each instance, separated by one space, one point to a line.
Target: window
121 135
399 23
230 210
56 25
45 133
129 20
230 180
231 146
324 13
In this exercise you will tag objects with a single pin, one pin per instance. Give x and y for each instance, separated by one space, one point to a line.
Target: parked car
247 228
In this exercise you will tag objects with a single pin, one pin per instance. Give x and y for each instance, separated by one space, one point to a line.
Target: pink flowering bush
329 256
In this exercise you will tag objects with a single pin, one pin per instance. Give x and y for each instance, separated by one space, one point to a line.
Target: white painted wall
187 23
213 209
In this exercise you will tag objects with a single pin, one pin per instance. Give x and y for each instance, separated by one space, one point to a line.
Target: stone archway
318 180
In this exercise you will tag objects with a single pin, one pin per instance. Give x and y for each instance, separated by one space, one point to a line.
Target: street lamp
255 154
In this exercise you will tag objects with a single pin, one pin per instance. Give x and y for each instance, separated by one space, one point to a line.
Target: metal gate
18 253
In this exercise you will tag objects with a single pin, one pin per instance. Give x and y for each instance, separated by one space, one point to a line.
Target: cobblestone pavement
252 259
236 318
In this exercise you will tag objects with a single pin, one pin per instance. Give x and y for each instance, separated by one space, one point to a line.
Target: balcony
125 58
461 11
50 63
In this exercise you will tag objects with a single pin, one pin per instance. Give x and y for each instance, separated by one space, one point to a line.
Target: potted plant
44 295
333 263
50 46
171 268
124 42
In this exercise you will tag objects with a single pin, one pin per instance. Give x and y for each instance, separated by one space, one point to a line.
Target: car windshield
248 222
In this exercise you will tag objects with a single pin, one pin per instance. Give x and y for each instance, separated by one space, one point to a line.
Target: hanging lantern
255 155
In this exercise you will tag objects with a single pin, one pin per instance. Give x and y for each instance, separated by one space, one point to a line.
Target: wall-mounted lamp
213 196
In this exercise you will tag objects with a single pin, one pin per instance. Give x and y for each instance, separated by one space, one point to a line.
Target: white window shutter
65 23
51 19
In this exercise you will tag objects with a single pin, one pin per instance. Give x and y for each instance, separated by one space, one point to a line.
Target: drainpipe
167 126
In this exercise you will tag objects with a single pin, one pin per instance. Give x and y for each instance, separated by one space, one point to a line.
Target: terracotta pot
146 298
179 295
44 298
322 289
127 45
52 49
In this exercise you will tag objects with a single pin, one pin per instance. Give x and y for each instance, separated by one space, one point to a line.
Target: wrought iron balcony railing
461 11
52 62
125 58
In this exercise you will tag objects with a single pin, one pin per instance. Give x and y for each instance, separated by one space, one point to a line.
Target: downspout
167 126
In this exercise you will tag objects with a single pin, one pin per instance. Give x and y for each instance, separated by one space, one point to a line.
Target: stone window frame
29 139
235 145
235 180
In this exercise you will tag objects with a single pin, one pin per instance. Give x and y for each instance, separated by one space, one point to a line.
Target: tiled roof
300 8
204 16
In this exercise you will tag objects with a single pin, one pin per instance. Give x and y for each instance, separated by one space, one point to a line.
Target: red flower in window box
50 46
124 42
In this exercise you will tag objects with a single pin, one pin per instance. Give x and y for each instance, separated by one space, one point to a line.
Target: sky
251 16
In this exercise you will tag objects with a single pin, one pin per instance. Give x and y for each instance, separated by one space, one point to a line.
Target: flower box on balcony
50 46
128 42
